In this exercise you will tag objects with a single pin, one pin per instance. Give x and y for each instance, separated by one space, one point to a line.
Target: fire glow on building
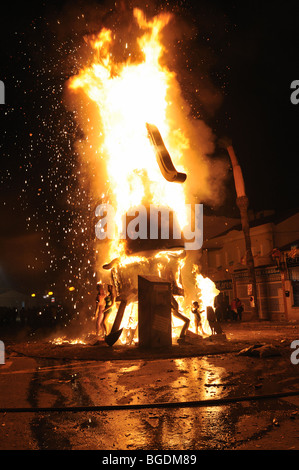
136 125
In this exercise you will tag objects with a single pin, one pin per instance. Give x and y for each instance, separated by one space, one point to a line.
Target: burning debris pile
140 139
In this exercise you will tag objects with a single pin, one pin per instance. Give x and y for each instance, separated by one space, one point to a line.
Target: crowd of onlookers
226 311
47 316
32 317
8 316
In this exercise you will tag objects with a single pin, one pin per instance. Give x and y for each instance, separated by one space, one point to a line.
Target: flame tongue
207 292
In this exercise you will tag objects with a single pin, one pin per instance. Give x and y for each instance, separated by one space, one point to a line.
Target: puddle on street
221 426
196 379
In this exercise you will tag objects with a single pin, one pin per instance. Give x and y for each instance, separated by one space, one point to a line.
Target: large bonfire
128 96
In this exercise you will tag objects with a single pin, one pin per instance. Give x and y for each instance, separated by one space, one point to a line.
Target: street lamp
242 203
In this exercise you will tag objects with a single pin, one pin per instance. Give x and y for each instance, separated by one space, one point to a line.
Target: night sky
242 56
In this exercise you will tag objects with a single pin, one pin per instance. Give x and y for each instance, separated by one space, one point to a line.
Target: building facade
275 249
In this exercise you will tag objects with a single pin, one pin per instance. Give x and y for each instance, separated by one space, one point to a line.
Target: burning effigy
144 143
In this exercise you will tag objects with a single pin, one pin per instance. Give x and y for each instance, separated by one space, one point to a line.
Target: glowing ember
63 341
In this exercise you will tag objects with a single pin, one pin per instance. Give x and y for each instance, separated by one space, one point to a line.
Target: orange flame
128 95
207 292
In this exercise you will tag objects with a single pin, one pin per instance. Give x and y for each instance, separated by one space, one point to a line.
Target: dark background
242 56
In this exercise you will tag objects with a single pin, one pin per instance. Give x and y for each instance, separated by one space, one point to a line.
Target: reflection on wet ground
31 383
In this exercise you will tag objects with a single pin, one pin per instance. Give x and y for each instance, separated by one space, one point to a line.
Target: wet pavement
207 400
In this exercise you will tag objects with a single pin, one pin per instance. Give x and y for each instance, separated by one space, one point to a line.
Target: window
295 285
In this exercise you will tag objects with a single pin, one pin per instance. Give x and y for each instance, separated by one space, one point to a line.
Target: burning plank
163 158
